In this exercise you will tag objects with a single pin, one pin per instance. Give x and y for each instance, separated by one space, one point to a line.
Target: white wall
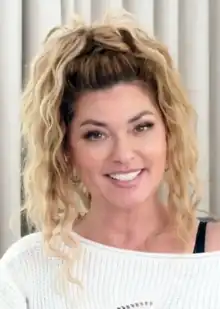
10 90
190 28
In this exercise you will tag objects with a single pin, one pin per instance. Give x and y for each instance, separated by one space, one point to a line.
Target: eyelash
93 135
96 135
145 126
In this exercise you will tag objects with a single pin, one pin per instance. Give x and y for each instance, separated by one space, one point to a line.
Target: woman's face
118 145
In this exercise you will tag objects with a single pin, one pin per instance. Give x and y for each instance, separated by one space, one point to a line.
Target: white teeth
125 176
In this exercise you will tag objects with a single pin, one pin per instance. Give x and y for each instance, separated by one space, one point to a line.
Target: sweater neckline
92 245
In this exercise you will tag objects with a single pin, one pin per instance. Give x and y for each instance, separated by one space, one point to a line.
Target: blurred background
190 29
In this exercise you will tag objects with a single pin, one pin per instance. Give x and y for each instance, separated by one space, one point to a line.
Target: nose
123 151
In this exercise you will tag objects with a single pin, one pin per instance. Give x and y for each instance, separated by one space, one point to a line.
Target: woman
107 123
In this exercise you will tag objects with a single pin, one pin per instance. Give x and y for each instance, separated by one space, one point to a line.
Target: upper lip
125 171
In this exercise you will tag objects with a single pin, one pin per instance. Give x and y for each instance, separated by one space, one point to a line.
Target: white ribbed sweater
112 278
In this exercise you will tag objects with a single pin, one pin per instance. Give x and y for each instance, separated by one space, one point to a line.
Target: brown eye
94 135
144 127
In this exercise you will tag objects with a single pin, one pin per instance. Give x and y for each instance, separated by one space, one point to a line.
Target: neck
128 229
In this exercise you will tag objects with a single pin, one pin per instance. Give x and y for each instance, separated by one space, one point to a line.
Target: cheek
156 150
88 161
156 140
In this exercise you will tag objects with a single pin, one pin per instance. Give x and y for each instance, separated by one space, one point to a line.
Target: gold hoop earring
66 158
76 179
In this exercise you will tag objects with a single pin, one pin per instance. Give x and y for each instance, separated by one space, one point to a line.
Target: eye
94 135
144 126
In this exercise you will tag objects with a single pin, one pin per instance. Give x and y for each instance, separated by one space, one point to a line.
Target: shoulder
19 267
25 248
213 236
26 255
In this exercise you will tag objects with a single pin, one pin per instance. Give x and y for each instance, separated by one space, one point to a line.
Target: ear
212 237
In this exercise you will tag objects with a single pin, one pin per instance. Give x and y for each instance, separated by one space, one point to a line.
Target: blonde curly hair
78 58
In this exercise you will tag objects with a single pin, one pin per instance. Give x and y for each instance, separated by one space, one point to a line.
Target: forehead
120 101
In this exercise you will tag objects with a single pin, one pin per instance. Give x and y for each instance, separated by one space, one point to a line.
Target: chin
128 202
129 197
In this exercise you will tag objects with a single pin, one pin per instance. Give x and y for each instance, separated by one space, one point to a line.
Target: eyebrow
102 124
139 116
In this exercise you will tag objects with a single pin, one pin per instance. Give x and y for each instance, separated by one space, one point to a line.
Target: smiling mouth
125 177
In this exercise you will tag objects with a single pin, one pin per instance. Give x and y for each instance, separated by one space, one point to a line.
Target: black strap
200 238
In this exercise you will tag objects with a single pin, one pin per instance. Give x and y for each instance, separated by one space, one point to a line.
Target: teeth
125 177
